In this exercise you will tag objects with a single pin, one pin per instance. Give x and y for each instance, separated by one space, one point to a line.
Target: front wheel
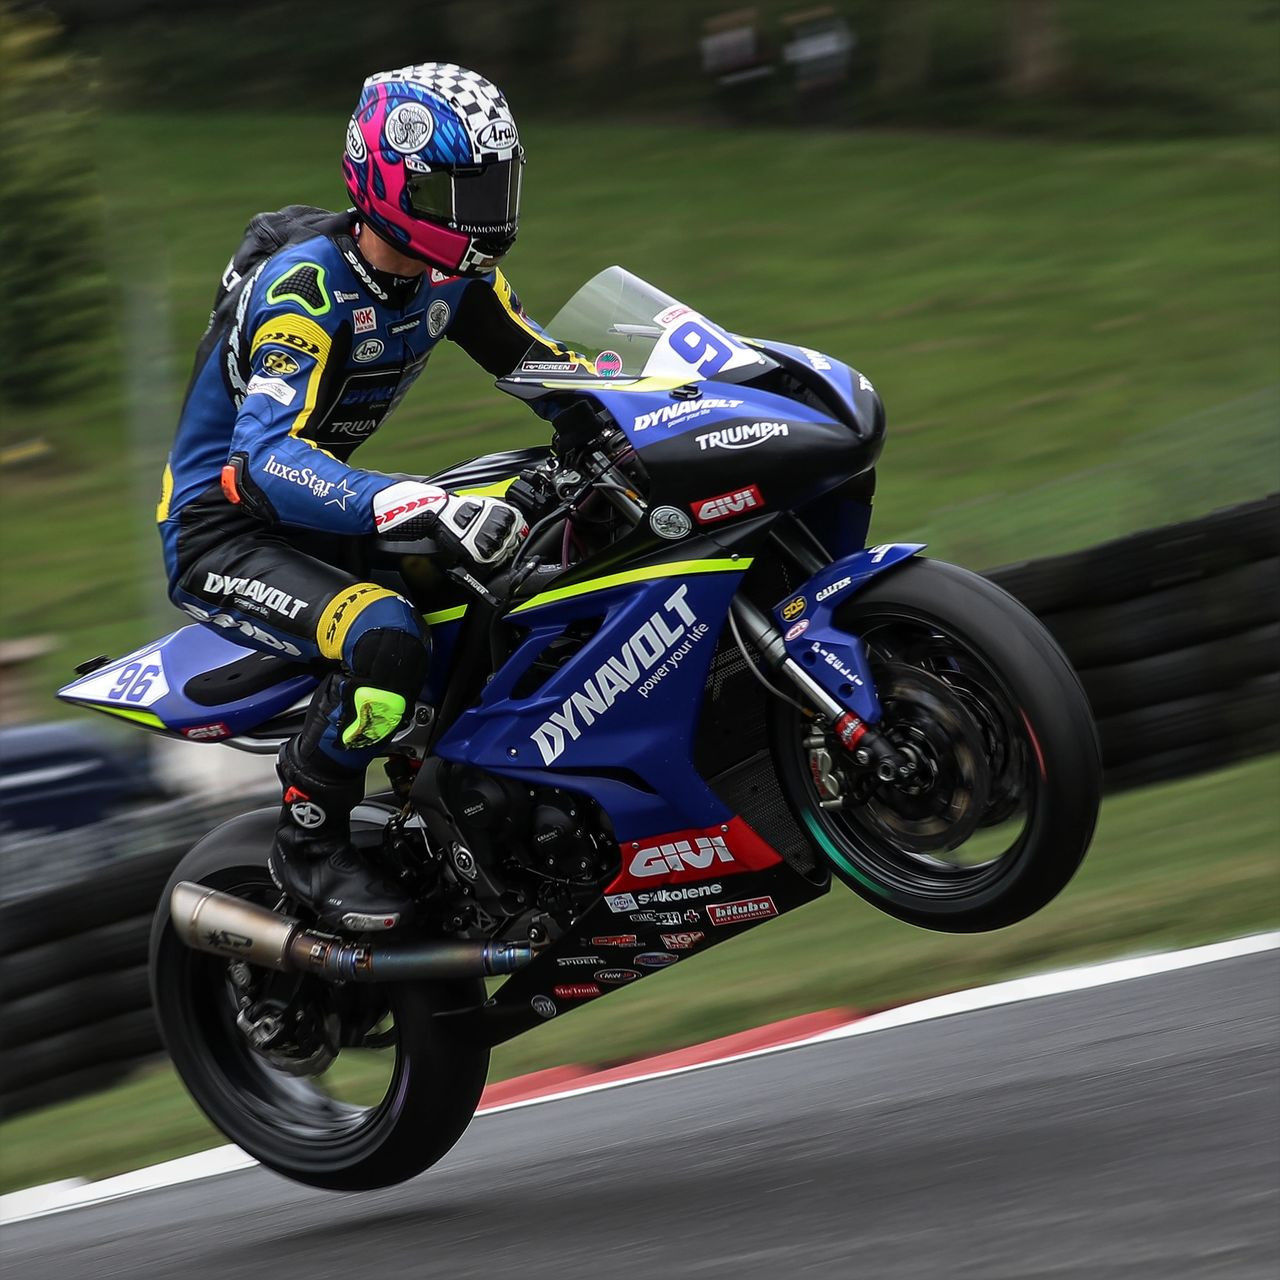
343 1087
1000 801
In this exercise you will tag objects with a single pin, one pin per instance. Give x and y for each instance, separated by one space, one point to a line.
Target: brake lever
469 582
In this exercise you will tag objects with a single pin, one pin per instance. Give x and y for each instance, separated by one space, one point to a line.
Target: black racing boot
313 859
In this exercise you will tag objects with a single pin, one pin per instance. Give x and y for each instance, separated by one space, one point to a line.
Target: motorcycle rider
322 322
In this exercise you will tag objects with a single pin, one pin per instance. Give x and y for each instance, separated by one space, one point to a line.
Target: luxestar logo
305 477
643 649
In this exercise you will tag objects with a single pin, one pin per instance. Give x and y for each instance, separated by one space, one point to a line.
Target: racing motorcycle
694 697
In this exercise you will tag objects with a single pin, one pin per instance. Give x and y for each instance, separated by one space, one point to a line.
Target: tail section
194 684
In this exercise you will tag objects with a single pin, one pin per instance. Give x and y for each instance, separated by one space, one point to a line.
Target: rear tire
284 1121
1018 743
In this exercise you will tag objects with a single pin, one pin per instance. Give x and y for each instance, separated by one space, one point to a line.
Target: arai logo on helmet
497 135
356 148
408 127
368 350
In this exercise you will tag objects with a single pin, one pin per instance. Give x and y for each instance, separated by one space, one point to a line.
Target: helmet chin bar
476 262
439 247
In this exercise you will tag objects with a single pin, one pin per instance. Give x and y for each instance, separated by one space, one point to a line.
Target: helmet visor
478 200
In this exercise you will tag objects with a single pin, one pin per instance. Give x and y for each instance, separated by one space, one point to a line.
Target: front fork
868 746
828 665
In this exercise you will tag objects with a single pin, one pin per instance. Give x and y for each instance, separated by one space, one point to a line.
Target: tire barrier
1175 633
75 1007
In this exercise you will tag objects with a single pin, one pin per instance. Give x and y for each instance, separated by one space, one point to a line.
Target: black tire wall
1175 633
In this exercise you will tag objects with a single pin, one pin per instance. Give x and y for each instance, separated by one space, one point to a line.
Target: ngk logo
680 855
725 505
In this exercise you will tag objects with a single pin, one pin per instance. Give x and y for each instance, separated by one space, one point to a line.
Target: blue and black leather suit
263 518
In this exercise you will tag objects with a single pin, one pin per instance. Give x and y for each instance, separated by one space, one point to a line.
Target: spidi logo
640 652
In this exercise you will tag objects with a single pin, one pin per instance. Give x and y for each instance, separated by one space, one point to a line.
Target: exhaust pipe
207 920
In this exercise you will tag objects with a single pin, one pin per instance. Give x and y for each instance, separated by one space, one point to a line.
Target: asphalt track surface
1131 1131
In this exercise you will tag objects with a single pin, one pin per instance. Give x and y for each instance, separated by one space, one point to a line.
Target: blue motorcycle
694 696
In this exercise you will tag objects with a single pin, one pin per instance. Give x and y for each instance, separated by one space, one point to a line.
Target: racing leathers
264 519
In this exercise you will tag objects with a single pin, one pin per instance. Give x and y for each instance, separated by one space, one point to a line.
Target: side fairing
616 720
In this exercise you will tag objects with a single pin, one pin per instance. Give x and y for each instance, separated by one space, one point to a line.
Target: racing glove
485 531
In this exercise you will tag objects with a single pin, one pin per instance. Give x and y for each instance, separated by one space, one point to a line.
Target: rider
321 323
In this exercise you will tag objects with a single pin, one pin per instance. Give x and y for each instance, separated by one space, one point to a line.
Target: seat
244 677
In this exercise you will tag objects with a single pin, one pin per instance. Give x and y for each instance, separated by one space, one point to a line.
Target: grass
1029 311
1163 872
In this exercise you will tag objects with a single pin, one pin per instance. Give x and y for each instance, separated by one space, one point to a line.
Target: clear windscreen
626 328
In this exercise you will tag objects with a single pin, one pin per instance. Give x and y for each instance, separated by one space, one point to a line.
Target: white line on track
75 1193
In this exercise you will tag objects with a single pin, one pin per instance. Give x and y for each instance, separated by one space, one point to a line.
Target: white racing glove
484 530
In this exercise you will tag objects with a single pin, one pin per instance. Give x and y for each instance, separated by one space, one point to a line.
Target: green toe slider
378 715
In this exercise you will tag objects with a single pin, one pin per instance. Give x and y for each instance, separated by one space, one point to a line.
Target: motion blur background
1048 230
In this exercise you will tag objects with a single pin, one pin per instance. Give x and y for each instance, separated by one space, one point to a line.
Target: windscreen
629 329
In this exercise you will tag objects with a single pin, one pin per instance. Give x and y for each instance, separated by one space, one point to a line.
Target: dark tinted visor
473 200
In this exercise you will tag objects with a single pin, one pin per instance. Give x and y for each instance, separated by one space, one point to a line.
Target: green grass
1171 866
1029 311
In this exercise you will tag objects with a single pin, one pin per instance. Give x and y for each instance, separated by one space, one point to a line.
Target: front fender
834 658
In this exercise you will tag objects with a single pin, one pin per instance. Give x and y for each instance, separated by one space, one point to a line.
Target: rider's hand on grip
485 531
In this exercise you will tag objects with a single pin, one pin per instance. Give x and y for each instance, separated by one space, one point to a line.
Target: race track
1132 1130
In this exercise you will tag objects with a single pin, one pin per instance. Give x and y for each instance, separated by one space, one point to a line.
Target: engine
516 859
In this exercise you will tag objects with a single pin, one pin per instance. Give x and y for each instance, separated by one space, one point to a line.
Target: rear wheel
1000 799
343 1087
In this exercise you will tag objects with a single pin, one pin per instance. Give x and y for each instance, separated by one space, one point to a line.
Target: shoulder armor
303 283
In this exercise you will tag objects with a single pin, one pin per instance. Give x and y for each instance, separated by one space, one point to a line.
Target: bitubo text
649 644
833 660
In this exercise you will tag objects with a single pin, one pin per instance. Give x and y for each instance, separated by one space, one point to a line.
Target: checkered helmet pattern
437 119
477 102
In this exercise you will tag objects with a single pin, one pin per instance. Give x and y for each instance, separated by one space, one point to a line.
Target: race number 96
701 348
134 682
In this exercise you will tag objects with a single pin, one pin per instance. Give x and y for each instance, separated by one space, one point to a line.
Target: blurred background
1048 230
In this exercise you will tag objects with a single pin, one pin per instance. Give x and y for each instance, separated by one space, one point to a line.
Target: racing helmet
434 163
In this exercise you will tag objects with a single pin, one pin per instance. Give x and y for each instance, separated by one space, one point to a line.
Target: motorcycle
694 698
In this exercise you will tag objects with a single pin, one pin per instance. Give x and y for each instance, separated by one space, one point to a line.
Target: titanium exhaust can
208 920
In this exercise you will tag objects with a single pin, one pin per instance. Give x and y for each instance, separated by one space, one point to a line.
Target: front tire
1004 799
283 1118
